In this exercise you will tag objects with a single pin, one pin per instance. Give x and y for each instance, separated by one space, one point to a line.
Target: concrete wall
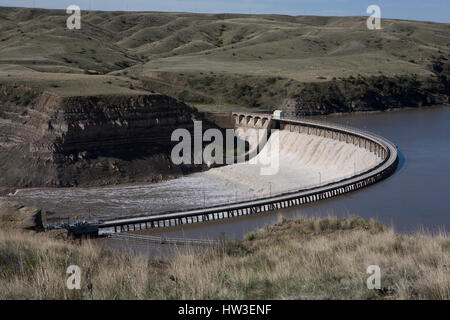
326 130
252 120
348 136
378 145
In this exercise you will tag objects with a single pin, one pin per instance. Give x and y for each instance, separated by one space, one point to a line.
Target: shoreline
304 258
138 183
338 178
382 111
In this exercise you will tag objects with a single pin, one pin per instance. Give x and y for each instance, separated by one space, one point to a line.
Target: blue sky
425 10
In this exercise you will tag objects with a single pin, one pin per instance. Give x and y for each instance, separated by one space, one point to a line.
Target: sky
424 10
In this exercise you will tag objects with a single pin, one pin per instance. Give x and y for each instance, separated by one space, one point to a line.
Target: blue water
416 197
418 194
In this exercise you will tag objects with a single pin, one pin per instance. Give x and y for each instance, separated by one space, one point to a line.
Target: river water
416 197
287 162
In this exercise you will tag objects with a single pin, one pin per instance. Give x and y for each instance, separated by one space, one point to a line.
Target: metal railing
161 239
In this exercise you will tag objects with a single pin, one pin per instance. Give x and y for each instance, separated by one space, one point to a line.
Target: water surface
416 196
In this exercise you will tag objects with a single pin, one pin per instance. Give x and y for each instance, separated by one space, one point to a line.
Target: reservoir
415 197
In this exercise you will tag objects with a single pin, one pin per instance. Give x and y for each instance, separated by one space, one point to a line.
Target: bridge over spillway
381 147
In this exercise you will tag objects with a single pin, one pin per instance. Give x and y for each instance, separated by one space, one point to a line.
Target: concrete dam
316 161
304 159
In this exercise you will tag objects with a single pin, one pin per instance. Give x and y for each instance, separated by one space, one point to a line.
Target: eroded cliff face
370 94
50 140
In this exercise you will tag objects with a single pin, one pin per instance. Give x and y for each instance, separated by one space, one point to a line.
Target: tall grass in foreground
293 259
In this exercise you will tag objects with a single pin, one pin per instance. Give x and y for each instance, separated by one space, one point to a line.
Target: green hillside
209 59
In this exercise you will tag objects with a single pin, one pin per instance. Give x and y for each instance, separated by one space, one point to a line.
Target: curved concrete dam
304 161
316 161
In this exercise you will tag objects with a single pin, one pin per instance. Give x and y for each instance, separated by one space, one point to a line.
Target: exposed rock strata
50 140
371 93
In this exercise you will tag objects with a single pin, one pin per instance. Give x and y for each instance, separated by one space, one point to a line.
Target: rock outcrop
51 140
16 216
369 94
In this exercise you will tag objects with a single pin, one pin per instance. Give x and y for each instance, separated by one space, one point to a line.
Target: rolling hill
214 61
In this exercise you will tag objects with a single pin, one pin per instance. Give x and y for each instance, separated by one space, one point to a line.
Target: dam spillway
305 161
317 161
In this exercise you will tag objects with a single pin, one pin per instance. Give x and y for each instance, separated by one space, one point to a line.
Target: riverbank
292 259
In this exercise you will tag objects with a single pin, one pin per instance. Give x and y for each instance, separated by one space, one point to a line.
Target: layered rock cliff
51 140
371 93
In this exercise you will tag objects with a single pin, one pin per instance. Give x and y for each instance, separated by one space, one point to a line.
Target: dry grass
295 259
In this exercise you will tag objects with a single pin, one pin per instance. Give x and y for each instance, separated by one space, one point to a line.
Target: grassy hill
293 259
217 60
